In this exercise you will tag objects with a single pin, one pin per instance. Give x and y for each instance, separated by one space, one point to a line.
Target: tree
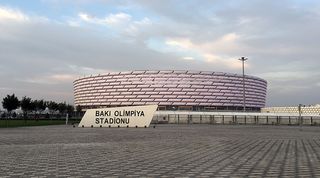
53 106
10 102
32 105
70 109
62 107
26 105
78 109
40 105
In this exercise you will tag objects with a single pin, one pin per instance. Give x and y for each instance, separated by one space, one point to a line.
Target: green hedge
25 123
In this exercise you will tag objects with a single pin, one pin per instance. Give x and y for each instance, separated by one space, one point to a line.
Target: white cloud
229 38
81 70
51 79
118 19
210 51
119 22
85 17
9 14
183 43
62 77
111 20
188 58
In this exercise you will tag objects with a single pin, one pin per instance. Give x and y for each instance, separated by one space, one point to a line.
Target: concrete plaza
197 150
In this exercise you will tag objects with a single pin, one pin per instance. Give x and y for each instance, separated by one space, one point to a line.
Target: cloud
118 19
188 58
41 59
283 76
121 23
86 17
51 79
280 38
8 14
211 52
181 43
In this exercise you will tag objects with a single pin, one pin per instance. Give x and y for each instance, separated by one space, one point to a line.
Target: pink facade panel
169 87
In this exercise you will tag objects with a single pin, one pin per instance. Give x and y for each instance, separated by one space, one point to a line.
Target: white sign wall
132 116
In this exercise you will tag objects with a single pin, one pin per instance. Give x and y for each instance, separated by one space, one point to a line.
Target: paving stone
166 151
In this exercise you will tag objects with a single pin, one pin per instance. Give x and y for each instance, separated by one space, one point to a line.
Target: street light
300 117
243 59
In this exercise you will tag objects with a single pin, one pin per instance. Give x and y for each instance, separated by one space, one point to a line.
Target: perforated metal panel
176 88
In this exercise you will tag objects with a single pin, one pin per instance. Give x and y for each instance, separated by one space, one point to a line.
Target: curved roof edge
172 71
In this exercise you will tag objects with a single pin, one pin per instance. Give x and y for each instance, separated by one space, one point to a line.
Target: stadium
171 90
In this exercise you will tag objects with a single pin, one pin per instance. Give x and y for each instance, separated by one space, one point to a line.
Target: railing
234 118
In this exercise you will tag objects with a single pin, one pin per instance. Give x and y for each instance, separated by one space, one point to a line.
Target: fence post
213 119
289 120
245 120
178 118
223 119
67 118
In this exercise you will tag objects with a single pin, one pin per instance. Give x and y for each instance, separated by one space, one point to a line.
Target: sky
46 44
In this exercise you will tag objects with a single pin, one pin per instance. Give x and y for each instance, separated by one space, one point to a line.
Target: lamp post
300 117
243 59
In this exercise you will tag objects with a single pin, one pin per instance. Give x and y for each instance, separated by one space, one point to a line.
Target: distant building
171 90
313 109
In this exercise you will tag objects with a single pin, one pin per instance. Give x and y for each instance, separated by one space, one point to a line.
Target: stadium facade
171 90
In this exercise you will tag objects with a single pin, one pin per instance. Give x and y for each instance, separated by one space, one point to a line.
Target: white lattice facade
170 89
294 109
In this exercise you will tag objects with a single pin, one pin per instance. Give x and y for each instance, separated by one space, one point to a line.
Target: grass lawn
23 123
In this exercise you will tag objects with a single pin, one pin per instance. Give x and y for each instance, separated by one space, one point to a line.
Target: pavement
197 150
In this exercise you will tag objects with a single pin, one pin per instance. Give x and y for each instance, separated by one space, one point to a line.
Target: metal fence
235 119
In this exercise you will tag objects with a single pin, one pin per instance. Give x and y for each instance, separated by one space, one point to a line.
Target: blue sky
46 44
